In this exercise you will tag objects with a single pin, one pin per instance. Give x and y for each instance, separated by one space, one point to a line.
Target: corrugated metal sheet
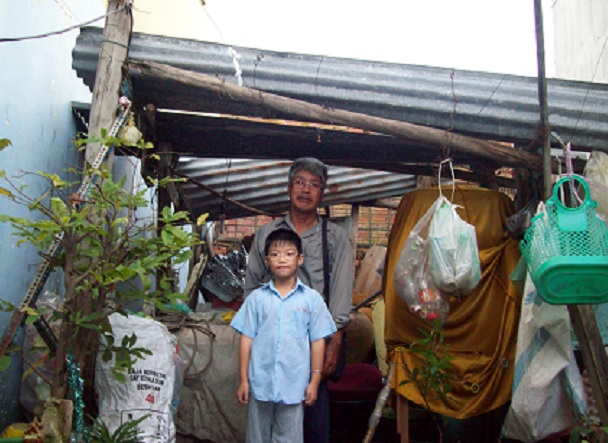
490 106
262 185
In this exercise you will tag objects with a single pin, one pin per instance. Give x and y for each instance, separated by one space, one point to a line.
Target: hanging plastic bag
596 176
453 252
412 279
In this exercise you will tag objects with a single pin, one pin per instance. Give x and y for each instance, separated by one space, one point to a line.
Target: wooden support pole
594 355
435 138
354 233
112 57
542 98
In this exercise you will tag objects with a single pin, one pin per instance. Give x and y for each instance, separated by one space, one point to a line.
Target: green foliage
5 362
126 433
588 432
433 376
110 255
4 142
125 355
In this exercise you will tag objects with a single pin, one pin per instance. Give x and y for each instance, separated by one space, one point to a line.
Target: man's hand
332 352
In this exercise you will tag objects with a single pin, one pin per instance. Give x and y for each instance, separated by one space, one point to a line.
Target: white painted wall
581 36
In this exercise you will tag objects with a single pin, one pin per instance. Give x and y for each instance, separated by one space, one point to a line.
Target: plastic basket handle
572 219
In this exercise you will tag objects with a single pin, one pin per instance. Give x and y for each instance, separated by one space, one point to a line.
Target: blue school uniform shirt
282 330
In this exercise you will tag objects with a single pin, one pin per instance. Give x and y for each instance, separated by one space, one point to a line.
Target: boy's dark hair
283 235
310 164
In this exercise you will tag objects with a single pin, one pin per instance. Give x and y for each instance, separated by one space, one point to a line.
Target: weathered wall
581 35
36 86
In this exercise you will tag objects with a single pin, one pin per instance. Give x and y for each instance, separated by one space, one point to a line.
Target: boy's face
283 259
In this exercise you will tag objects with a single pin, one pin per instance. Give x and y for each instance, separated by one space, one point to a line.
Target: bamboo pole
434 137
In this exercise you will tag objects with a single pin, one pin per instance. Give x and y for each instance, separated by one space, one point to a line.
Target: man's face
306 192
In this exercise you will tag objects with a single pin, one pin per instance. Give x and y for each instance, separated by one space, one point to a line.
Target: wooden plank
108 79
594 355
403 425
354 230
501 154
368 281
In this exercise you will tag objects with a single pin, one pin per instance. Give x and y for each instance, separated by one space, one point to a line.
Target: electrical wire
62 31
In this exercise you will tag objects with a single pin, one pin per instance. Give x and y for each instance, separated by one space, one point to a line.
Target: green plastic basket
566 250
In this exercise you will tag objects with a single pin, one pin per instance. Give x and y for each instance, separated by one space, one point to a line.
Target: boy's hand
311 394
242 393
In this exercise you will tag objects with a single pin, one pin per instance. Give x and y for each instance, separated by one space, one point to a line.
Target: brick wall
374 226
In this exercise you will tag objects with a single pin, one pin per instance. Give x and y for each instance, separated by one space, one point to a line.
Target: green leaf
119 376
55 180
4 143
5 362
6 193
106 356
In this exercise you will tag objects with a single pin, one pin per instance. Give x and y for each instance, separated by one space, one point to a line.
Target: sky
482 35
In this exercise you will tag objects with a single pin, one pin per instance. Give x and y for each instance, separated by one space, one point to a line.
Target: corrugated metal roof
490 106
262 185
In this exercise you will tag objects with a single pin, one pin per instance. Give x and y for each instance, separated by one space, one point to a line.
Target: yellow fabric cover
481 329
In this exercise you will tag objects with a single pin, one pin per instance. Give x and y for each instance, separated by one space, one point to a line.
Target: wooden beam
382 203
427 170
112 56
501 154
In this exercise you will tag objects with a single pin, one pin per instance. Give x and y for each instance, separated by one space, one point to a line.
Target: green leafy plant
126 433
111 257
588 431
433 375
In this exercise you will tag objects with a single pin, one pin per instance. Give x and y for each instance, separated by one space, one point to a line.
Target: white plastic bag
412 279
453 252
150 383
596 175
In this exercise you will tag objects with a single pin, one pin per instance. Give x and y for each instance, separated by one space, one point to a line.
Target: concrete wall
581 35
37 84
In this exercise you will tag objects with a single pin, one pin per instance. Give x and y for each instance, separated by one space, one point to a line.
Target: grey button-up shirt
341 276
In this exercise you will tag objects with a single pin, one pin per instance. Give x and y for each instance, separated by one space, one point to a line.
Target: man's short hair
310 164
283 235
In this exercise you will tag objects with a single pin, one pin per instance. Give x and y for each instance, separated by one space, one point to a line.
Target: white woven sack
150 383
548 391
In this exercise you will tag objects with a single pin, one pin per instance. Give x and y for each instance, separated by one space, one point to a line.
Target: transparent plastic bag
453 252
411 277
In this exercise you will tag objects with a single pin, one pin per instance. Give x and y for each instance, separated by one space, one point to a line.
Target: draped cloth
481 328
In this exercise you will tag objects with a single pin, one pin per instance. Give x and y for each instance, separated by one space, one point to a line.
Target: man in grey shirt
307 182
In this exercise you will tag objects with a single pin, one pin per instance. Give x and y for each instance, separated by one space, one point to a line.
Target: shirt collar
271 287
287 220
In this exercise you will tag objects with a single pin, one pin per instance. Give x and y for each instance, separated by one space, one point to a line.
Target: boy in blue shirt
283 326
